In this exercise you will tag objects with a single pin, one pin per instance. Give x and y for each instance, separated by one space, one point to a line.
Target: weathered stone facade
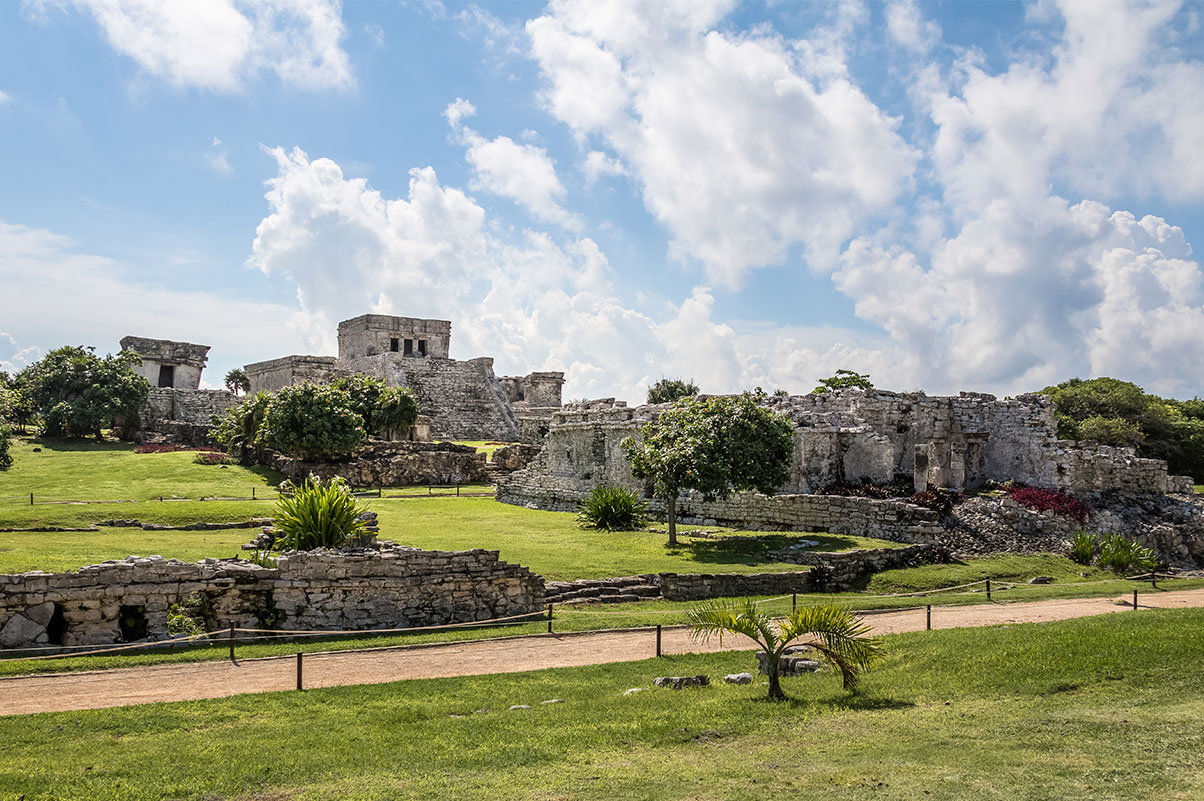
463 399
854 437
166 363
124 601
394 464
182 416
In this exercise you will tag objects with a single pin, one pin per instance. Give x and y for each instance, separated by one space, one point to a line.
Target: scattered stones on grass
678 682
1041 580
790 664
552 701
738 678
634 690
519 706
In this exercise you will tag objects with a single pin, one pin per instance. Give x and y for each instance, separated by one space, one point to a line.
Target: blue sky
964 195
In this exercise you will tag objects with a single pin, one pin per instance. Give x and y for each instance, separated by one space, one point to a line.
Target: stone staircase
623 589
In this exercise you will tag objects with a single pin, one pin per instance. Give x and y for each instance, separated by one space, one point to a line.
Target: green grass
487 447
1100 708
86 470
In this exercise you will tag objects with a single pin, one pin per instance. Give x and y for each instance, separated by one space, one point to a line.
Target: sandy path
121 687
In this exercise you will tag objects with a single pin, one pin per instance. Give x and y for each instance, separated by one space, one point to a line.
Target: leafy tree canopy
1114 412
78 393
668 390
364 392
843 379
714 446
311 421
396 410
238 429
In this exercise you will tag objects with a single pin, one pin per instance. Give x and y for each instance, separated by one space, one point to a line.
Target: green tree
713 445
238 429
311 421
396 410
843 379
834 633
6 458
77 393
668 390
364 392
237 381
1121 413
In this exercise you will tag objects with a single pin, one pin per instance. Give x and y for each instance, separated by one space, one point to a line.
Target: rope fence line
226 636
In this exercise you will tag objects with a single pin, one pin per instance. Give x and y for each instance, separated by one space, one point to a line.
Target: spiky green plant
1122 555
612 509
833 632
318 515
1083 546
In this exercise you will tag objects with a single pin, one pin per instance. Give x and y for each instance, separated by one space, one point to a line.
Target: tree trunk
775 687
672 516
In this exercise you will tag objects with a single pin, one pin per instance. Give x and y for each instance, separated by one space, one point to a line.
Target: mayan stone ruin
464 399
854 437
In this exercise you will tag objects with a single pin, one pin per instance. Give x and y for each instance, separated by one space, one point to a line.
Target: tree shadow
732 549
850 702
269 474
74 444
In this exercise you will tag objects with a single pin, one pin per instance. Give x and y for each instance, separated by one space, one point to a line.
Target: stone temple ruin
462 400
854 437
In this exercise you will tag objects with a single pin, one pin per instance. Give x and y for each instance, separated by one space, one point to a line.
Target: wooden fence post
299 687
232 644
988 589
549 618
928 625
1134 600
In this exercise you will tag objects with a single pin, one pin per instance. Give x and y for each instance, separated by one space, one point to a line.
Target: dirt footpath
100 689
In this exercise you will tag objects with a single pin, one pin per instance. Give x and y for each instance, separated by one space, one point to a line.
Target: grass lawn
1101 708
487 447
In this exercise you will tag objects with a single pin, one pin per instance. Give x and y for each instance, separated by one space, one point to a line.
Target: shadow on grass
73 444
750 550
849 702
268 474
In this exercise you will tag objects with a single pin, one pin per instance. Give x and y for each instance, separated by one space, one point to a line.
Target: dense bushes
6 458
612 509
1041 500
1114 412
317 514
77 393
668 390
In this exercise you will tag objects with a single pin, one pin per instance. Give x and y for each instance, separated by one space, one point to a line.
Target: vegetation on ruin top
1013 712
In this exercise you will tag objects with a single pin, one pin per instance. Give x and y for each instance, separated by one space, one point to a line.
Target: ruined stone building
854 437
177 409
464 399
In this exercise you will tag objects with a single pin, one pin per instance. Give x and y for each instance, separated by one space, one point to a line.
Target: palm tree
835 633
236 381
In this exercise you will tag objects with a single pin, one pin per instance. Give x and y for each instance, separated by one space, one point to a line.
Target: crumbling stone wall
182 416
393 588
393 464
275 374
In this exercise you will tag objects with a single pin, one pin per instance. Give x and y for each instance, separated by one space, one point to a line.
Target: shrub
1041 500
668 390
612 509
79 393
211 458
6 458
938 500
311 422
396 410
1122 555
1083 546
238 429
318 515
896 489
363 393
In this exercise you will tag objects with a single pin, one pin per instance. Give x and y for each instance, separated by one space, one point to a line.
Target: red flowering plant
1040 500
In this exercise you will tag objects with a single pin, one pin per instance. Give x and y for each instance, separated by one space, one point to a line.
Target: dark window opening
56 629
409 351
167 375
422 347
131 622
394 345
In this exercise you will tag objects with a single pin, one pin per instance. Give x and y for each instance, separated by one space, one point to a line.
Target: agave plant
1083 546
317 515
612 509
833 632
1120 554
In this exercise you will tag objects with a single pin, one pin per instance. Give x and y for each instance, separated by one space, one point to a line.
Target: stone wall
182 416
372 334
396 588
539 389
275 374
393 464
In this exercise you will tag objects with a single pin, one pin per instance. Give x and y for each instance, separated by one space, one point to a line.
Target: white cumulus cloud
219 44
